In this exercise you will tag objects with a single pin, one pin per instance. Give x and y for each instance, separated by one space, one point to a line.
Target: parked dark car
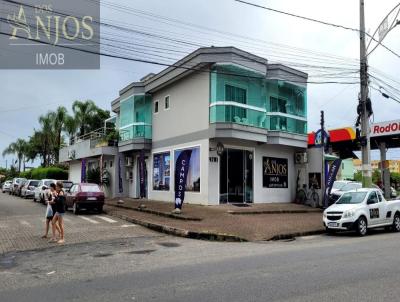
85 196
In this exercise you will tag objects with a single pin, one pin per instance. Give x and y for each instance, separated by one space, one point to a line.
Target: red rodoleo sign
386 128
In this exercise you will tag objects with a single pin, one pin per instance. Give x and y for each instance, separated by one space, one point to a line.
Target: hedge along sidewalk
45 173
217 224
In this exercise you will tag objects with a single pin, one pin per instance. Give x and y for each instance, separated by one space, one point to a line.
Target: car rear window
90 188
67 184
34 183
47 183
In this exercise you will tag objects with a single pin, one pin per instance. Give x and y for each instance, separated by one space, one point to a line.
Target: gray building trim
134 144
281 72
232 130
287 139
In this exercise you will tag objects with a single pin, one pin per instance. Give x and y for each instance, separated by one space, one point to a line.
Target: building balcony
136 136
231 119
93 144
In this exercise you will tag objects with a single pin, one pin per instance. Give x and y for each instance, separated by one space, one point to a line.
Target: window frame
156 105
165 102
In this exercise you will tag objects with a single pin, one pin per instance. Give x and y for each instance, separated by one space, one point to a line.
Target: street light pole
365 135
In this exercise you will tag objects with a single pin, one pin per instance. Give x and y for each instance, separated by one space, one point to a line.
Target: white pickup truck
361 210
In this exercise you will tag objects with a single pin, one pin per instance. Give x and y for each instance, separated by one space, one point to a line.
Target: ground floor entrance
236 176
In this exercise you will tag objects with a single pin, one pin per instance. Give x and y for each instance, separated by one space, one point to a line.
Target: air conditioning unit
300 158
128 161
71 154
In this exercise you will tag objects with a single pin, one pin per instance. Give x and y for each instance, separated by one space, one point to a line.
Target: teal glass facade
251 100
135 117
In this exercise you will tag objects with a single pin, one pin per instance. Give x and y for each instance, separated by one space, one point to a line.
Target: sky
27 94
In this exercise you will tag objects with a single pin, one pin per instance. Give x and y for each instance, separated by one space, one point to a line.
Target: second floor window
238 95
278 105
156 107
166 105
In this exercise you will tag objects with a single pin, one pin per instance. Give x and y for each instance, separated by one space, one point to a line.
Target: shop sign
386 128
275 172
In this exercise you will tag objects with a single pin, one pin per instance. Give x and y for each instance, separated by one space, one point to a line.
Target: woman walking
60 211
49 196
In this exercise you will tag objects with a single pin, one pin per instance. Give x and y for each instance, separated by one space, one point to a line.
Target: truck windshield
338 185
351 186
352 198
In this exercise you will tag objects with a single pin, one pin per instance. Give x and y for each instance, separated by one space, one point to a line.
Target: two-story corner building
243 119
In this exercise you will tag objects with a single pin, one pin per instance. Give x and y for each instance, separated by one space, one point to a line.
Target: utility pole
323 157
365 135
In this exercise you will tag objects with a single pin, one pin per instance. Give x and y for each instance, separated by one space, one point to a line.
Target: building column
385 172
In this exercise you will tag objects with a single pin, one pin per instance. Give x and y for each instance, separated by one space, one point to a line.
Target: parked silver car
15 184
6 186
28 189
40 189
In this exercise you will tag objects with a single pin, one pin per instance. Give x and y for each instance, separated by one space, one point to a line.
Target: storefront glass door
236 176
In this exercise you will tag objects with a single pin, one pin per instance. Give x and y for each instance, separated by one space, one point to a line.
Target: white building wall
75 171
190 197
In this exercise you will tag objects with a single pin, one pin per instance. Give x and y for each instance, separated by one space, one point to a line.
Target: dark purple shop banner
83 170
120 185
181 173
331 179
142 174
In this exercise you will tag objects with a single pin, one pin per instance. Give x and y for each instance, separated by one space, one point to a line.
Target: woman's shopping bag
49 211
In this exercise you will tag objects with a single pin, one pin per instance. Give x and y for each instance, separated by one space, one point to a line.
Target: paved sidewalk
224 222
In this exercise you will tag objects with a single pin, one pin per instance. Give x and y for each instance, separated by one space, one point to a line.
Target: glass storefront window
161 171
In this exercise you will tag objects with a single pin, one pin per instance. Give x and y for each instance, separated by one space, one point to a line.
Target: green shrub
93 176
26 174
50 172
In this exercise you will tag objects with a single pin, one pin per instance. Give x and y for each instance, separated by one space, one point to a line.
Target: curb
272 212
294 235
163 214
179 232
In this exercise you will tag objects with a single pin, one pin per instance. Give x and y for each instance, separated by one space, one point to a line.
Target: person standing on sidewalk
49 196
59 214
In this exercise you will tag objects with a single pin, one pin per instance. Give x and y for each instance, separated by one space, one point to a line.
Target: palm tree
46 137
58 122
70 127
83 112
19 148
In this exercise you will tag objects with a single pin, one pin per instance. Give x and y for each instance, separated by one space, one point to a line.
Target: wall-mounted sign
275 172
220 148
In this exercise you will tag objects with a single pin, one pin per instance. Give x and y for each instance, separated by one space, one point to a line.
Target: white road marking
128 225
107 219
88 219
25 223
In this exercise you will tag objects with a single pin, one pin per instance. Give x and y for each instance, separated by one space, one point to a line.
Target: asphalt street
152 267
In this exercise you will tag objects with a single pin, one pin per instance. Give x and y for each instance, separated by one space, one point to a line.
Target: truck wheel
361 226
396 223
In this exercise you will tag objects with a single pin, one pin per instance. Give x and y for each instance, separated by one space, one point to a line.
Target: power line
298 16
317 21
171 65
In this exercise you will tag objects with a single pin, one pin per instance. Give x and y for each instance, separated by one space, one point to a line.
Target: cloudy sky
26 94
